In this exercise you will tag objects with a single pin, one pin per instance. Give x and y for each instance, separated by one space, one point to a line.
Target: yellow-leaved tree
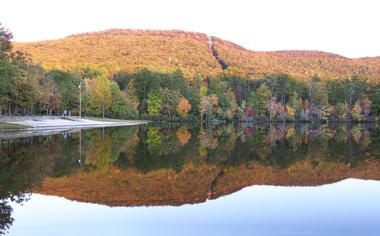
100 93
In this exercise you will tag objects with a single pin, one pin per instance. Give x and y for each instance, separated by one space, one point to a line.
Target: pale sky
347 27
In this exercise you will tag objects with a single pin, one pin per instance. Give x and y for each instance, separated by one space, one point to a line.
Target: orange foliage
191 184
299 64
166 51
183 107
183 135
128 50
51 101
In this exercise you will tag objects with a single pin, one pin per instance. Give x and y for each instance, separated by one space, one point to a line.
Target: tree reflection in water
174 164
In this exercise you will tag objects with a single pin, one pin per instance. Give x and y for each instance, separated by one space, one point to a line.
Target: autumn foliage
100 93
165 51
183 107
51 102
299 64
127 50
177 75
183 135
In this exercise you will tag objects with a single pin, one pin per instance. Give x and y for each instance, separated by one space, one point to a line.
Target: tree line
29 89
280 97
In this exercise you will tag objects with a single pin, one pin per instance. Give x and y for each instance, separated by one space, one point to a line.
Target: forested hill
127 50
192 53
299 64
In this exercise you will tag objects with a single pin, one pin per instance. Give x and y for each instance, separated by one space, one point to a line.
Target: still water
190 180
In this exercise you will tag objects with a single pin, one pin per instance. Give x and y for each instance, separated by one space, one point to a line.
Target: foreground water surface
283 179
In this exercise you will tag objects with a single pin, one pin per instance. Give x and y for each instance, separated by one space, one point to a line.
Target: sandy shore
50 122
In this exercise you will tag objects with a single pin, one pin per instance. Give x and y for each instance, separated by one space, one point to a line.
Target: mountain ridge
117 31
168 50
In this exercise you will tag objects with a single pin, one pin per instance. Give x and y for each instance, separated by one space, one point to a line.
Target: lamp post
80 99
80 116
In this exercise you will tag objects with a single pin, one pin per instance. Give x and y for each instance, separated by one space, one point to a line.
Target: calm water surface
189 180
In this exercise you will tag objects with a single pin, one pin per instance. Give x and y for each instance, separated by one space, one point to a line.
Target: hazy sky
347 27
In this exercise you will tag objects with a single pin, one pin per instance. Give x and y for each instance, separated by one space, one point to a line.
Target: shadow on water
174 164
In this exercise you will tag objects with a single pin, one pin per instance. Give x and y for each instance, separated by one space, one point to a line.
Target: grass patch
8 126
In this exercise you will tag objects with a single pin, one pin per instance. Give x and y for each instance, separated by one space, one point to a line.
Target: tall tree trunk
270 111
350 104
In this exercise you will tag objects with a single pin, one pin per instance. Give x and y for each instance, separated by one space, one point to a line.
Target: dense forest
182 76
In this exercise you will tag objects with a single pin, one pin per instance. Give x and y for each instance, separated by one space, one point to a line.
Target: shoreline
35 123
30 123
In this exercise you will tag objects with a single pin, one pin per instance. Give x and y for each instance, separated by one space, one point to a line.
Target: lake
183 179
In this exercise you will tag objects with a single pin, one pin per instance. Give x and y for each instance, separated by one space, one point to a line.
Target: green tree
5 42
260 98
296 103
146 82
154 103
154 140
341 110
335 91
132 92
8 70
170 100
121 107
24 83
374 96
282 86
6 89
228 105
355 88
253 102
66 84
317 92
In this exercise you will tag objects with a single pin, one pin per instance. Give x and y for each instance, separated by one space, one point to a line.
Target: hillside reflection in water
160 165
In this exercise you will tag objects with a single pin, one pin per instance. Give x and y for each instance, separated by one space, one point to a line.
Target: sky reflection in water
349 207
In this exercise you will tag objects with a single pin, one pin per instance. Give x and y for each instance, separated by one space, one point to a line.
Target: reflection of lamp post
80 99
80 147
